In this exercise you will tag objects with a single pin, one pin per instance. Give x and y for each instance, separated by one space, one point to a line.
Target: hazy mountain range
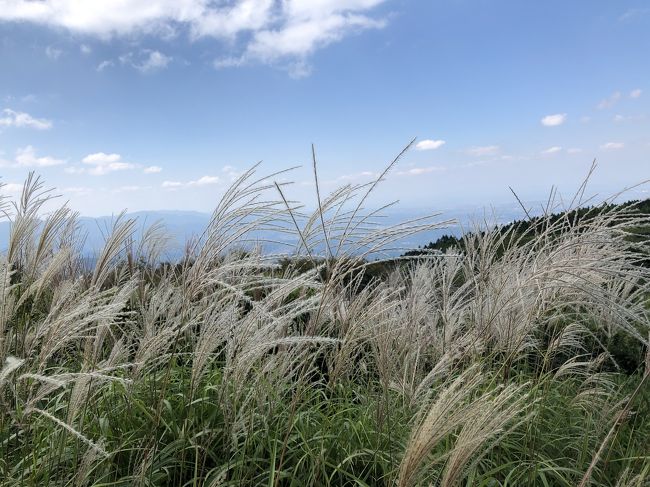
183 225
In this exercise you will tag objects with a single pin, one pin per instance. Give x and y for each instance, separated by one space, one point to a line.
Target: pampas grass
490 364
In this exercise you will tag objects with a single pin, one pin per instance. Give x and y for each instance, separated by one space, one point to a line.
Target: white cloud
11 118
172 184
13 188
307 28
85 49
636 93
553 120
629 118
53 53
240 16
299 69
356 176
275 32
77 190
417 171
152 169
429 144
585 119
105 64
26 157
102 164
574 150
146 61
552 150
102 19
634 13
228 62
612 145
486 150
231 172
610 101
202 181
130 189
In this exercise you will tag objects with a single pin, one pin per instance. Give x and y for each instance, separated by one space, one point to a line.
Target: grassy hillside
490 365
521 231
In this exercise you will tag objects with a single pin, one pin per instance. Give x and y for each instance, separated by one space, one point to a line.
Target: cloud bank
267 31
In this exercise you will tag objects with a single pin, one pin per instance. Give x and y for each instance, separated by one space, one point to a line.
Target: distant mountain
183 225
180 226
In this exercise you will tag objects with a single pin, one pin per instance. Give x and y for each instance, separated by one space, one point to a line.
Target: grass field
518 360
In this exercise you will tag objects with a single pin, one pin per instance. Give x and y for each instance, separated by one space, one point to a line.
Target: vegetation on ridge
490 365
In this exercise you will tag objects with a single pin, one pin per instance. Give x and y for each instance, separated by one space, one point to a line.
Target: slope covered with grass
489 365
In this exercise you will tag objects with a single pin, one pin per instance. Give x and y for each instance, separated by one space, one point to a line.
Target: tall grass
488 365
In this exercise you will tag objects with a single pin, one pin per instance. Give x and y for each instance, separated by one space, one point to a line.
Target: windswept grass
487 365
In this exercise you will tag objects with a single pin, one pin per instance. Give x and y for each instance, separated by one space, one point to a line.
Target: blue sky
158 104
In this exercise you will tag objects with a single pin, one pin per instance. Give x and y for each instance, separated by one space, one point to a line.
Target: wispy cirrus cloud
612 145
130 188
610 101
485 150
53 53
362 175
145 61
282 33
104 65
618 118
202 181
77 190
634 13
418 171
552 150
636 93
12 118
